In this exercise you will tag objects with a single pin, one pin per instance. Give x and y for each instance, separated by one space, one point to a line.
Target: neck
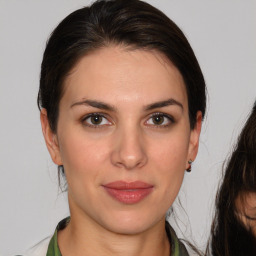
83 236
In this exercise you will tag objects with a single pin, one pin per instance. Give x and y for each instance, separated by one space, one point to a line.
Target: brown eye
96 120
158 120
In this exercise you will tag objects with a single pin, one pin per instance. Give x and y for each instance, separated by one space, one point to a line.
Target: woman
122 98
234 226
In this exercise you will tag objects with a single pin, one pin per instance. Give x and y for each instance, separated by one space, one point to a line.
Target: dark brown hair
229 236
132 23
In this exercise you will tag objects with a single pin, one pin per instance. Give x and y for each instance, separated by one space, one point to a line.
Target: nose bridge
129 151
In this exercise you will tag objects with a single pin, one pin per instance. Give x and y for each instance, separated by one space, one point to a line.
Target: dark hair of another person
229 236
132 24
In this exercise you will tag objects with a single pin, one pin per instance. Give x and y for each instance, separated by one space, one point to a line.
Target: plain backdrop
223 36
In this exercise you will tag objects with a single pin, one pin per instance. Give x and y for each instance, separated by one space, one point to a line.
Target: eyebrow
164 103
95 104
105 106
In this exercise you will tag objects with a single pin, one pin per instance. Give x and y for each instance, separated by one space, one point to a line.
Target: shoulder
40 249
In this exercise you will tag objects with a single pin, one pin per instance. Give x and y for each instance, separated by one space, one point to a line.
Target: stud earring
190 164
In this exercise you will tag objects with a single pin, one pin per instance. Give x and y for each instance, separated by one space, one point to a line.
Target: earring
190 164
61 169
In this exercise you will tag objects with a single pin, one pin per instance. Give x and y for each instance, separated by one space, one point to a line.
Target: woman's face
123 137
246 208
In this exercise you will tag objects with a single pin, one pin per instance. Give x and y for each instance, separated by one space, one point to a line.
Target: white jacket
40 249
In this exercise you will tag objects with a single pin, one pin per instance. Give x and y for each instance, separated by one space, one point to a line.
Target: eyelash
85 118
159 114
170 120
250 218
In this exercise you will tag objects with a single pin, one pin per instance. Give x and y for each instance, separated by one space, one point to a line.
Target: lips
128 192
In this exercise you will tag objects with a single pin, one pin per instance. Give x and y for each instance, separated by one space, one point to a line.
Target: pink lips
128 192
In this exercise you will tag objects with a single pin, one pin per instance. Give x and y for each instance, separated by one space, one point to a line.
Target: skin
246 208
127 145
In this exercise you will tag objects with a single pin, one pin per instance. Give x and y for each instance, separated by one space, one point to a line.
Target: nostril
129 150
129 161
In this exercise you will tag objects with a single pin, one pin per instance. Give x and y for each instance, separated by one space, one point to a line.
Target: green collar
178 249
53 248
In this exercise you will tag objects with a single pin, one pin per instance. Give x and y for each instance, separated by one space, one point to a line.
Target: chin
130 223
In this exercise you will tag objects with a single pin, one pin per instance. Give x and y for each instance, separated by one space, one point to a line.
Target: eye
250 217
160 119
95 119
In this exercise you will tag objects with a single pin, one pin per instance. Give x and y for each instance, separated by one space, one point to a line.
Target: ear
194 138
50 138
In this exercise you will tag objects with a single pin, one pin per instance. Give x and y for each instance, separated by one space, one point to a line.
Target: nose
129 149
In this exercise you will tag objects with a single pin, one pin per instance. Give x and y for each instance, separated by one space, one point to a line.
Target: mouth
128 192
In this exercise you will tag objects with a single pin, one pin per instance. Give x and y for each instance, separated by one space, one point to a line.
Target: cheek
171 152
81 155
83 160
169 159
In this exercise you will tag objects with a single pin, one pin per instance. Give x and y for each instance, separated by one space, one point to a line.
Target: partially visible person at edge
234 225
122 99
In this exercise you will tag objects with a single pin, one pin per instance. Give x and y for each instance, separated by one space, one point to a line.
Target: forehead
116 71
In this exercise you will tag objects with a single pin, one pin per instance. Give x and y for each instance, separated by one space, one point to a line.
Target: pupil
158 119
96 119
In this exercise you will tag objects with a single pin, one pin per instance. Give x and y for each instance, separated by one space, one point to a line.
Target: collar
177 247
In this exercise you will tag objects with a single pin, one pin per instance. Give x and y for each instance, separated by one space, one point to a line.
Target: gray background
223 36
